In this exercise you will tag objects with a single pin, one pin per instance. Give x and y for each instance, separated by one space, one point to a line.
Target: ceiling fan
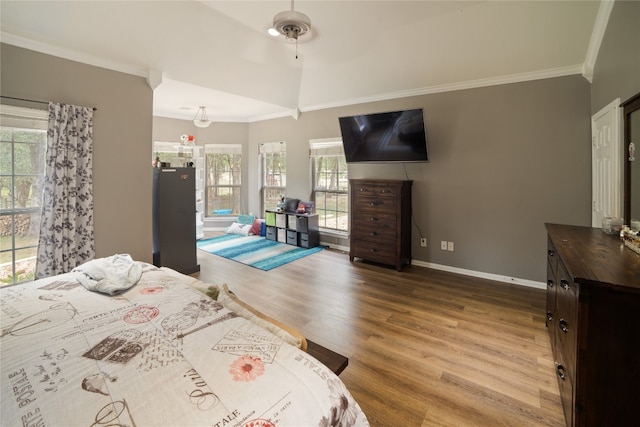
294 26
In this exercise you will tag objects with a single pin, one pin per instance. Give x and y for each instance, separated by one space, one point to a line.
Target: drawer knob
550 283
563 325
549 316
560 371
372 250
373 203
550 252
564 284
373 219
373 233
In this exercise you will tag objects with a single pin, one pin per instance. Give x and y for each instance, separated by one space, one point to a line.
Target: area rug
255 251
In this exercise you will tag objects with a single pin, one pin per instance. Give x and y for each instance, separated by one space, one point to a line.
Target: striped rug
255 251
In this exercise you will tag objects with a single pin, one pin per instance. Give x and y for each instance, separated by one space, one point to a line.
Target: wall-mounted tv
395 136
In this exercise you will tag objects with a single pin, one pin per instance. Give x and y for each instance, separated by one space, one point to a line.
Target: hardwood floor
425 347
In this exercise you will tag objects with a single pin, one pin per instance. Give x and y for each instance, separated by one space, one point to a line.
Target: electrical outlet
443 245
423 242
450 246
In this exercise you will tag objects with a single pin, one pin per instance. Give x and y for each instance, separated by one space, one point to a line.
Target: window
223 166
273 162
23 143
175 154
330 184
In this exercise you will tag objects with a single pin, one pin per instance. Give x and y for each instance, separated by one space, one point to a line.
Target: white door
606 157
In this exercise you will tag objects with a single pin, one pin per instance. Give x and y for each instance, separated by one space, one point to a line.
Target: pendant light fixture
201 120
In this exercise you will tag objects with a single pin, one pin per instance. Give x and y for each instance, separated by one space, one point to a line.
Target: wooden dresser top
592 256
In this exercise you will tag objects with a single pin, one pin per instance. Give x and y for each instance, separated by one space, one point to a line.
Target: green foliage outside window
22 156
331 192
274 180
223 184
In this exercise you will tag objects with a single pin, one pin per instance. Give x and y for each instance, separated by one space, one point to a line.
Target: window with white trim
23 144
223 179
330 180
273 164
176 154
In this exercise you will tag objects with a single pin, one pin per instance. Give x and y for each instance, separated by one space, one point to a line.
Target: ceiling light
294 26
201 120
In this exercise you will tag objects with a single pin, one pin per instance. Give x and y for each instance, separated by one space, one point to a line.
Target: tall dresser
593 317
381 221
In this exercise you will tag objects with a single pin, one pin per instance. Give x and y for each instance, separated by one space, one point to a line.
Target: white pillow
237 228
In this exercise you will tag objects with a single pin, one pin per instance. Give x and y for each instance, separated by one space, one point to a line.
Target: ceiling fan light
294 26
201 120
273 32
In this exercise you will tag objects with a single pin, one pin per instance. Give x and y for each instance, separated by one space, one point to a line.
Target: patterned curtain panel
66 231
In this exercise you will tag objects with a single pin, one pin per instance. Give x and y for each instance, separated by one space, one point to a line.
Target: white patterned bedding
160 354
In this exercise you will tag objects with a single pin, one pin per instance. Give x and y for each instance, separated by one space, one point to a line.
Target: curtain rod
32 100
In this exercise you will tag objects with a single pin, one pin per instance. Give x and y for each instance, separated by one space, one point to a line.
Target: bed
161 353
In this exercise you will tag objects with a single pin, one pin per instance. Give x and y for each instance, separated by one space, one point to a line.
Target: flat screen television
395 136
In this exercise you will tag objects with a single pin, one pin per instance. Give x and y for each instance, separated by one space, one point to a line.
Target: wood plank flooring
425 347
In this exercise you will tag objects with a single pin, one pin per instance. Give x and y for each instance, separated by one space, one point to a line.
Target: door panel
606 161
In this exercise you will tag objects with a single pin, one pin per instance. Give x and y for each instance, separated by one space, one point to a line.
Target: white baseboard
336 247
457 270
482 275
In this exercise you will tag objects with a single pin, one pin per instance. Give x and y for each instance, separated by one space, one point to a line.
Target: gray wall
616 73
122 139
617 69
170 130
504 160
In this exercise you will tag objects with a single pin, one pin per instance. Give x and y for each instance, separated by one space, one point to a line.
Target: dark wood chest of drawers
593 317
381 221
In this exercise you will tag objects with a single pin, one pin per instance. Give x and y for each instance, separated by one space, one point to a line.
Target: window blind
326 147
223 149
23 118
272 147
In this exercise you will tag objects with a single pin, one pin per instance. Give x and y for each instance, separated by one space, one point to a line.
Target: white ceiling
218 54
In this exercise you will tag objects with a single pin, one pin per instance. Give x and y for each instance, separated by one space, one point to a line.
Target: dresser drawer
565 384
566 319
374 220
383 253
363 205
372 233
552 260
376 190
551 303
552 256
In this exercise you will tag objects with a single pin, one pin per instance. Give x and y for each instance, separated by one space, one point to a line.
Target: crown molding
582 69
470 84
597 35
71 55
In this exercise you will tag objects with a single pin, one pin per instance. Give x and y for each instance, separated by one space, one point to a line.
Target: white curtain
66 231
